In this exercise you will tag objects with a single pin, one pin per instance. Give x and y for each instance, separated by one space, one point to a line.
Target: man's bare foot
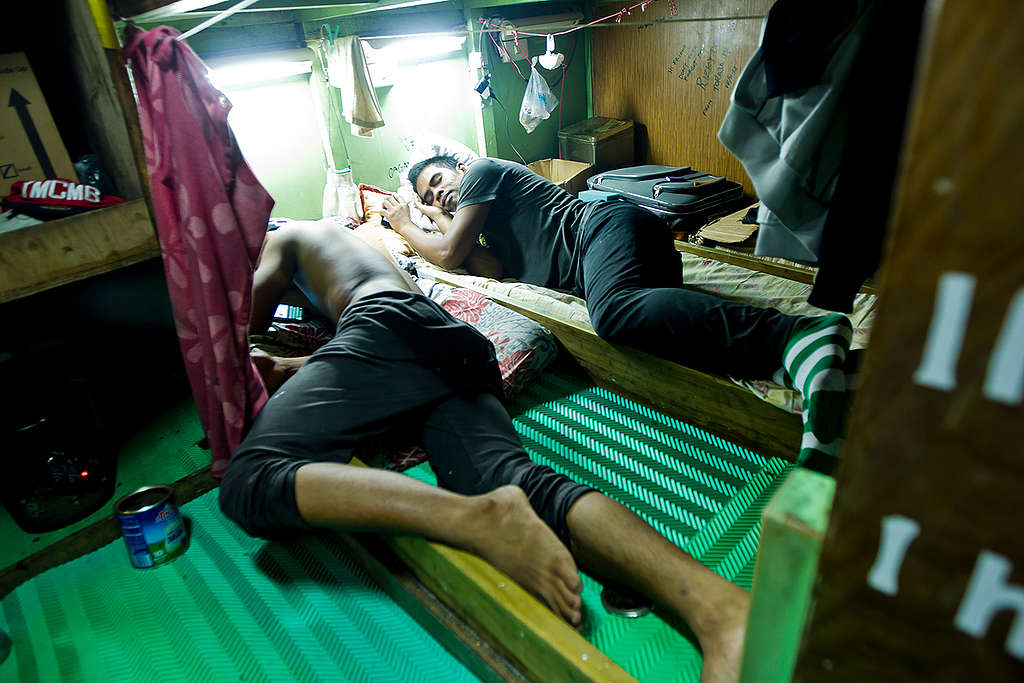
509 534
275 370
721 638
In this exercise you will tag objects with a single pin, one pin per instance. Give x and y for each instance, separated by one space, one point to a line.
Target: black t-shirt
532 224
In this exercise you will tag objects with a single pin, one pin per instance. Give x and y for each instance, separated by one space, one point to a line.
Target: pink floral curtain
211 217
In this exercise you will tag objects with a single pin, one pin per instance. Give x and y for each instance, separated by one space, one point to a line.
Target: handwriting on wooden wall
707 65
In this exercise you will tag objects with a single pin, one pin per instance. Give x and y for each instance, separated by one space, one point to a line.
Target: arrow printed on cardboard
20 105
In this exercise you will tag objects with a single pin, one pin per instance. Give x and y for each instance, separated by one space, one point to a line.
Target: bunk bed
761 415
529 635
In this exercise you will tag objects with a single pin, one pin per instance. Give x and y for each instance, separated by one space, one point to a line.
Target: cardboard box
571 176
30 147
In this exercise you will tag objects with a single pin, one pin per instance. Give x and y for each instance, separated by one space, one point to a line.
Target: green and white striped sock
812 363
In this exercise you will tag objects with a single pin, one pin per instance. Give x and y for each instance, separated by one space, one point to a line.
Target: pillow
424 147
372 200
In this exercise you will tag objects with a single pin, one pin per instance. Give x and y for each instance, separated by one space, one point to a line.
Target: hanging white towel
347 70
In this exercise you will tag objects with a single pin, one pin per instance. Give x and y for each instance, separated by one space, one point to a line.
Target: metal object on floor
624 602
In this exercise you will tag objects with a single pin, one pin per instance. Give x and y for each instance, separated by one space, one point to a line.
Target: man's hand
429 210
396 211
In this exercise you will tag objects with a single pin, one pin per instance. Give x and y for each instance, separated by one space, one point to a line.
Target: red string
615 15
502 50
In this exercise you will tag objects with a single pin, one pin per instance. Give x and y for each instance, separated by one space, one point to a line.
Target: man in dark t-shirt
621 259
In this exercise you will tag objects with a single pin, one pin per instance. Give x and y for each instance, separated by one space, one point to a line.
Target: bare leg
621 546
499 526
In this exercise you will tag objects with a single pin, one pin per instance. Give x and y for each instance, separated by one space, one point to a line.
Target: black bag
684 198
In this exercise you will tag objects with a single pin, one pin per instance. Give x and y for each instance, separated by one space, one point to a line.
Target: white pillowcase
424 147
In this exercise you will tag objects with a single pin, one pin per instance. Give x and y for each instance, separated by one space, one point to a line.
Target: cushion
372 200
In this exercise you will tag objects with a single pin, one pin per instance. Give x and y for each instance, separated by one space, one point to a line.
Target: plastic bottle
348 195
330 205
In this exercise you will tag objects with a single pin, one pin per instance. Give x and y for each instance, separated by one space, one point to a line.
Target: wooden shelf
44 256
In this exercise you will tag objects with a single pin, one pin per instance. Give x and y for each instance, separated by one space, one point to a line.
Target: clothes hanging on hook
347 70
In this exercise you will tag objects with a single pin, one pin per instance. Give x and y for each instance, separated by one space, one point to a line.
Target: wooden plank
794 271
94 536
794 523
371 554
924 537
44 256
707 401
680 77
103 117
545 647
152 10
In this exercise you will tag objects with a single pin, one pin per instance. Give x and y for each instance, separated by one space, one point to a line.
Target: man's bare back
336 267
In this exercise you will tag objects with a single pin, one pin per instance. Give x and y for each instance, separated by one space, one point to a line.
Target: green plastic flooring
232 608
236 608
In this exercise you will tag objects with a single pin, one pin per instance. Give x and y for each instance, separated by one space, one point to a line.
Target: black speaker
56 468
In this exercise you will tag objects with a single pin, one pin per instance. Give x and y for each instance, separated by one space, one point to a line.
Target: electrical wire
615 15
508 132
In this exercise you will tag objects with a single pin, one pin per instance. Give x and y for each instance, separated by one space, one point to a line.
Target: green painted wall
431 97
276 124
276 129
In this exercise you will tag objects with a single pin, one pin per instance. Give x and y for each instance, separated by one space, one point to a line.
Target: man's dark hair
442 160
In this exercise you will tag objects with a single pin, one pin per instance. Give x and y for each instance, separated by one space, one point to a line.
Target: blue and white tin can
152 526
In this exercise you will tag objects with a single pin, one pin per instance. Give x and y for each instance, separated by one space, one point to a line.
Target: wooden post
787 559
922 569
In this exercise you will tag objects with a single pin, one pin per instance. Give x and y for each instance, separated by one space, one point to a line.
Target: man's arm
455 245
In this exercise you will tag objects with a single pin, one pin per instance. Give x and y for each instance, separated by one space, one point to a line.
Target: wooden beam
373 556
923 563
152 10
794 523
707 401
57 252
94 536
544 646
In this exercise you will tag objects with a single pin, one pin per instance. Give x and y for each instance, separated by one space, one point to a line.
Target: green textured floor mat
703 493
301 611
231 608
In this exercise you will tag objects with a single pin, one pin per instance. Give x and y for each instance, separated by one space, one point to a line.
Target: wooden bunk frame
513 621
708 401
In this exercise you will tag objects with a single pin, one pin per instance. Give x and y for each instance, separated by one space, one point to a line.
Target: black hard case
685 198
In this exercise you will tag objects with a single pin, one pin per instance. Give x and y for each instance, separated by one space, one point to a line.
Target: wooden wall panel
922 569
673 77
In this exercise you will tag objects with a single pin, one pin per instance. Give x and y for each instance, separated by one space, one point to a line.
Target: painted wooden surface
794 523
103 116
707 401
922 569
54 253
673 75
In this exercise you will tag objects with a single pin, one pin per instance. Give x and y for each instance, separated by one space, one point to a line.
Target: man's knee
606 317
257 494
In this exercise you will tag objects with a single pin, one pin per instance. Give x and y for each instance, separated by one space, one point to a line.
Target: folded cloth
347 70
55 198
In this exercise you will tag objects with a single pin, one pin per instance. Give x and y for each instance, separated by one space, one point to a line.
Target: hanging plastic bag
538 102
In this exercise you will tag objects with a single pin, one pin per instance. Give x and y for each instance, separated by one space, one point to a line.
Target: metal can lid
594 129
622 601
143 499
